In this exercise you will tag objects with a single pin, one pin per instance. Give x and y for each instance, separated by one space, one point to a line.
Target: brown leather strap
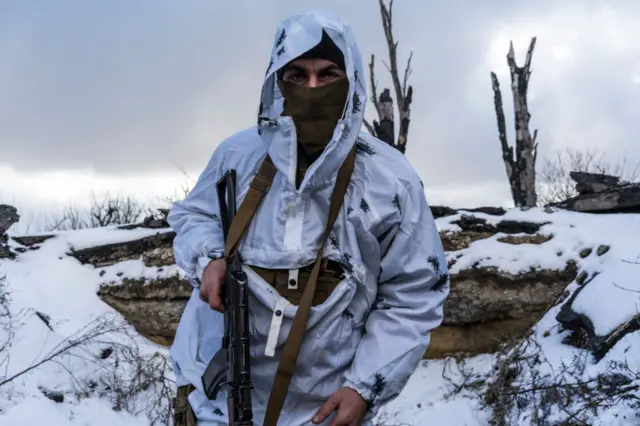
259 186
292 346
183 414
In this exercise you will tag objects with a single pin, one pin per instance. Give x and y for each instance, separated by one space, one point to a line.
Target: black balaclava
326 49
316 110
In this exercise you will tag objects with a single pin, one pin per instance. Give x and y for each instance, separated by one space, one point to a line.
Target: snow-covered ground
53 296
47 281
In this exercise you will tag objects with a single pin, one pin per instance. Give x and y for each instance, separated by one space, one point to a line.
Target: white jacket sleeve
413 285
196 223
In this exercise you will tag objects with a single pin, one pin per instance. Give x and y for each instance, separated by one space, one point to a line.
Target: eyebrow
297 68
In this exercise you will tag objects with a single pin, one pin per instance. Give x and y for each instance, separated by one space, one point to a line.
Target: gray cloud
130 87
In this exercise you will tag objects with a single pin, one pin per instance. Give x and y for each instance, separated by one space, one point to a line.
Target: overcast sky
111 96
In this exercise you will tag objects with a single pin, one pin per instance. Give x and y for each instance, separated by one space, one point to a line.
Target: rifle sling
259 186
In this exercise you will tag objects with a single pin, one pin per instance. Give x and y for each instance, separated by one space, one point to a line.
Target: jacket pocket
339 332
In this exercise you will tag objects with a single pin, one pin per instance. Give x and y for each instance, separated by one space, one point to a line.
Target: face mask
315 112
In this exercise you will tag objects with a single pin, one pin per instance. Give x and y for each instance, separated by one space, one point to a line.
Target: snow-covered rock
487 305
8 216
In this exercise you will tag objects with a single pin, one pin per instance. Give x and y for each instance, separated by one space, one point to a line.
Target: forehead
310 64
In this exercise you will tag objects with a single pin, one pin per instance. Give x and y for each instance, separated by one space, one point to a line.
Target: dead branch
631 290
407 74
384 127
94 330
135 382
520 168
129 377
525 384
392 45
7 329
369 127
183 191
374 85
507 151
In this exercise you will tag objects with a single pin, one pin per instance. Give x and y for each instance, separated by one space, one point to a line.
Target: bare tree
118 210
181 192
384 128
521 167
555 184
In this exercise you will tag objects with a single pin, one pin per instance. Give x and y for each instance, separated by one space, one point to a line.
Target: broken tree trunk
520 168
384 127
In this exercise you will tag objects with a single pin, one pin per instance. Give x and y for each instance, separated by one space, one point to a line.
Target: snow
39 411
136 269
610 299
49 281
422 402
611 292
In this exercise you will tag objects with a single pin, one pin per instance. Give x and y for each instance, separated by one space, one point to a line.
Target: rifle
230 366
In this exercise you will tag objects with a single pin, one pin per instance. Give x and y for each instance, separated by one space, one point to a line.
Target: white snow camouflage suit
372 331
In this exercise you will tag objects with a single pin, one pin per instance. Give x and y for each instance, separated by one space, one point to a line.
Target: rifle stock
230 366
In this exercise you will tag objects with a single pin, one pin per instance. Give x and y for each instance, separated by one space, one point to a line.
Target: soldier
384 276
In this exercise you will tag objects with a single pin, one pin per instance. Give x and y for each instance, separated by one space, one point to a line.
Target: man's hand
350 406
212 279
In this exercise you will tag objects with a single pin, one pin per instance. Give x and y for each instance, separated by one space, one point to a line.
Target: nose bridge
313 79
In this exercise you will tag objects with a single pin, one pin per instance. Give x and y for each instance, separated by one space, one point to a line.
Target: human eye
296 77
331 75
